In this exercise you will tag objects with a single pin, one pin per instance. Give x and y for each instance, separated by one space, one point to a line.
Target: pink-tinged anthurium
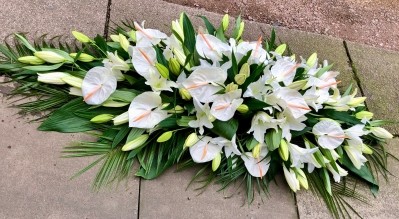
210 47
225 105
98 84
144 60
284 70
204 82
259 165
148 37
145 111
204 150
329 134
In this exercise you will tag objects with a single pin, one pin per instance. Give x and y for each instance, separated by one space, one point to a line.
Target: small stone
188 198
9 146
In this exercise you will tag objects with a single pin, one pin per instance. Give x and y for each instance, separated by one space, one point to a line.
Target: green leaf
255 104
225 129
273 139
43 67
25 42
189 34
134 133
101 43
326 180
209 26
167 123
120 136
323 70
220 34
340 116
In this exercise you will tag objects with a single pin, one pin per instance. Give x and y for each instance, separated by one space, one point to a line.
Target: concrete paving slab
377 70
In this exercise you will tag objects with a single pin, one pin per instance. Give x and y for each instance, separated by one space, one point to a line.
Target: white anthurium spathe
204 82
258 54
291 179
299 155
293 101
225 105
354 152
98 84
116 64
284 70
257 166
145 111
288 123
230 146
159 83
337 175
329 134
148 37
203 115
143 60
210 47
355 132
260 123
257 89
204 150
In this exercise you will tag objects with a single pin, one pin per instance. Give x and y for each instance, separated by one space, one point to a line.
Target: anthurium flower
293 101
159 83
257 166
210 47
225 105
116 64
329 134
260 123
230 146
145 111
284 70
203 115
204 82
291 179
299 155
204 150
337 175
148 37
98 84
143 59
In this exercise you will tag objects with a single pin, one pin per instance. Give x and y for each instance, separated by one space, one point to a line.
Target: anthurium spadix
210 47
143 59
225 105
145 111
204 82
148 37
329 134
98 84
284 70
257 166
204 150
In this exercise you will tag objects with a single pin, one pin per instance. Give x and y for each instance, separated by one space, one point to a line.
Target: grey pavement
36 182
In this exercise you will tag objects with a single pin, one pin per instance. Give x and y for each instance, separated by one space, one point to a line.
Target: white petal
284 70
329 142
225 105
98 84
210 47
144 59
291 179
204 151
257 167
142 113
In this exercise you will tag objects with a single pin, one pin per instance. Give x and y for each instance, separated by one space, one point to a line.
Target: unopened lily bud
312 60
139 141
185 95
50 56
121 119
113 103
176 109
231 87
52 78
75 91
216 162
174 66
240 78
291 179
281 49
240 30
283 150
181 19
364 115
132 35
356 101
102 118
191 140
366 149
163 71
303 181
243 109
81 37
124 42
245 70
165 137
225 22
177 29
73 81
114 38
298 85
180 56
381 132
256 150
83 57
31 60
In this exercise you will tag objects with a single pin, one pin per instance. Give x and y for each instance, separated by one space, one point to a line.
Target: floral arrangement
245 110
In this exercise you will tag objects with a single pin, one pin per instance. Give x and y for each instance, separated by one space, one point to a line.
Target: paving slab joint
107 18
139 199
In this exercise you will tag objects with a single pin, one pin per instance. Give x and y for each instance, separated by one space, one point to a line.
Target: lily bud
113 103
132 35
174 66
298 85
245 70
356 101
102 118
73 81
291 179
163 71
124 42
181 19
303 181
243 109
381 132
283 150
240 78
121 119
216 162
366 149
52 78
180 56
185 95
114 38
176 109
191 140
225 22
364 115
75 91
81 37
83 57
139 141
312 60
231 87
165 137
281 49
240 30
177 29
31 60
256 151
50 57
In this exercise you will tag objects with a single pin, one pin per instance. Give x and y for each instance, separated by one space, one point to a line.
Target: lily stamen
142 31
146 57
204 151
330 84
298 106
141 116
91 93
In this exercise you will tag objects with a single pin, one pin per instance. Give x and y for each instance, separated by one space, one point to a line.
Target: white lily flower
260 123
210 47
204 82
291 179
284 70
299 155
337 175
329 134
354 152
293 101
204 117
116 64
355 132
145 111
148 37
204 150
259 166
98 84
257 89
258 54
143 59
288 123
230 146
316 97
159 83
173 47
225 105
